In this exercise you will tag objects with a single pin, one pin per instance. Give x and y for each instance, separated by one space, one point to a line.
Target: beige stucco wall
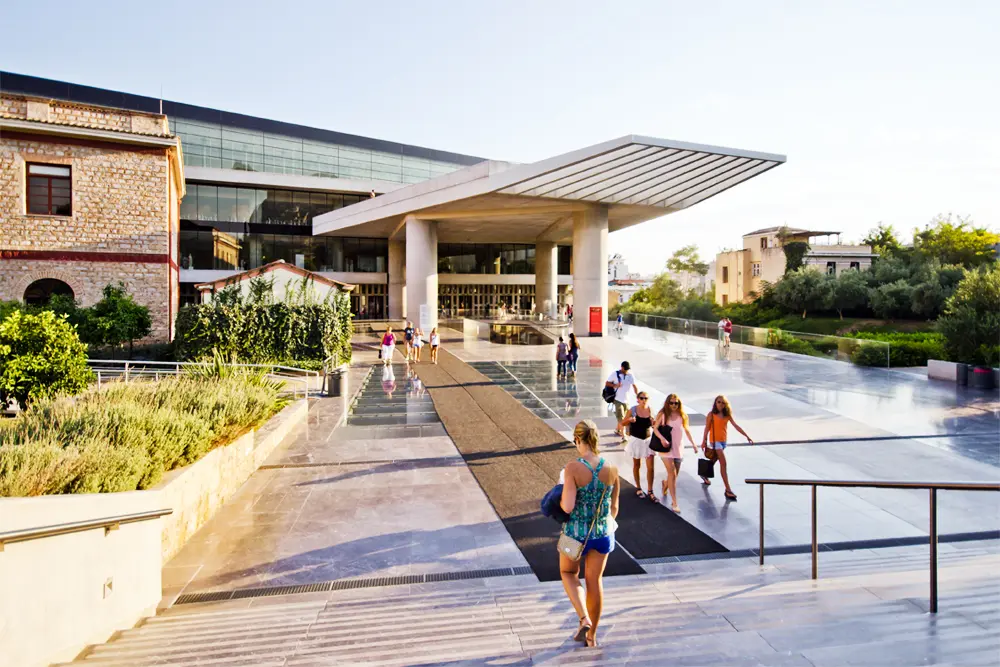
737 286
55 599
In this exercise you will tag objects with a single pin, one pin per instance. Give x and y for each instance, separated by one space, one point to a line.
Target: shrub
40 356
782 340
892 300
971 319
905 349
869 355
125 437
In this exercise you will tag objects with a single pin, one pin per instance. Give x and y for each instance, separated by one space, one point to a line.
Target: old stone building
89 195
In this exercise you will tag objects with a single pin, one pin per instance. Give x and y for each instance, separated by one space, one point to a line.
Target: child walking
418 344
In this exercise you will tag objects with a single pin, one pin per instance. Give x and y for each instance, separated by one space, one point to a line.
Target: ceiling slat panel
730 163
722 184
654 180
649 193
566 187
601 185
570 170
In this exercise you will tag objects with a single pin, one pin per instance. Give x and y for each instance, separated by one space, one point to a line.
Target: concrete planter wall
948 371
59 594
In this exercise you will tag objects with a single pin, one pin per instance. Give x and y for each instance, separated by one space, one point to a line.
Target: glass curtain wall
214 145
495 258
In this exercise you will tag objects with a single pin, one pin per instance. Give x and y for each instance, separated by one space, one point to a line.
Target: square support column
546 280
590 268
397 280
421 272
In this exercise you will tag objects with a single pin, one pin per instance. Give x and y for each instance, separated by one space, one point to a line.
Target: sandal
675 509
582 631
640 493
730 495
591 641
652 498
706 481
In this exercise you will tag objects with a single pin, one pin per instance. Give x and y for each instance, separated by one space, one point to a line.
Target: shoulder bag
656 445
710 453
609 393
571 547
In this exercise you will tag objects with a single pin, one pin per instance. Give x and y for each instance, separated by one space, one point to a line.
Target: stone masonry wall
62 112
148 283
119 199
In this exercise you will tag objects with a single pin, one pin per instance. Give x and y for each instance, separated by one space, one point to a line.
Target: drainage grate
348 584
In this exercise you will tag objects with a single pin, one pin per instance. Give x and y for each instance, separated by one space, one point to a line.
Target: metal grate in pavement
347 584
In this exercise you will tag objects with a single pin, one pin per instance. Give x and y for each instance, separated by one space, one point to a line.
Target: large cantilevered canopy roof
637 178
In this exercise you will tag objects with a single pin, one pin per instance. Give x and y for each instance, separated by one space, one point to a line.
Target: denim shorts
602 545
717 445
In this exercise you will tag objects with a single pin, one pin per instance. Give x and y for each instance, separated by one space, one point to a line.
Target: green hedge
40 356
125 437
266 332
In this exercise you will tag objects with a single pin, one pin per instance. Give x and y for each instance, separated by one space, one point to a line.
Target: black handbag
609 393
656 445
706 468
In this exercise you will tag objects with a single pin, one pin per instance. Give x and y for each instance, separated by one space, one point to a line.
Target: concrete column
590 268
546 278
421 273
397 280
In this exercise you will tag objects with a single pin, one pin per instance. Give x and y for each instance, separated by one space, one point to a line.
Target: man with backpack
616 389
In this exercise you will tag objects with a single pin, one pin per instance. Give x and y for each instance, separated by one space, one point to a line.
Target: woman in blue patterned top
584 483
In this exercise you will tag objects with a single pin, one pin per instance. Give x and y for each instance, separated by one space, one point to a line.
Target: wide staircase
868 608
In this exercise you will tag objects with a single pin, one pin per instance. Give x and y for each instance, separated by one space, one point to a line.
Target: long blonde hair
726 411
586 432
667 411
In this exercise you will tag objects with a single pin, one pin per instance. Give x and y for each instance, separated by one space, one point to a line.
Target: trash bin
982 378
335 383
962 377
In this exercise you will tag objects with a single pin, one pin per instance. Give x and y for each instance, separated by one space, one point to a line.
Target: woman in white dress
418 343
640 425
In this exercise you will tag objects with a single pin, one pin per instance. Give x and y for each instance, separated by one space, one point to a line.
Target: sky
886 111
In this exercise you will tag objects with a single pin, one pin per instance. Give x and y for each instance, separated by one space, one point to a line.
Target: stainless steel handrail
932 487
108 524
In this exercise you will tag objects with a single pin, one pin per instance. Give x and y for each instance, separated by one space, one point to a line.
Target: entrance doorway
40 291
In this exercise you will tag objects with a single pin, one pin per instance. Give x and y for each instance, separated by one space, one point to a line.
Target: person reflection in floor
388 380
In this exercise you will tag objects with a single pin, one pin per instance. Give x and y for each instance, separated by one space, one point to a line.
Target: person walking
418 344
640 425
716 425
388 346
590 497
621 380
408 339
562 355
728 331
722 330
435 344
574 353
619 325
672 415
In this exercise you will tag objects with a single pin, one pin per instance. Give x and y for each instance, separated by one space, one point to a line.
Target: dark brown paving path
514 455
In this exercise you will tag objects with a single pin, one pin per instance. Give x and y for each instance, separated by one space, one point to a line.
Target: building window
856 266
725 274
763 243
755 268
725 299
831 268
49 190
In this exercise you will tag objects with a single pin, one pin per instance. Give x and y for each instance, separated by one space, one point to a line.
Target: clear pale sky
887 111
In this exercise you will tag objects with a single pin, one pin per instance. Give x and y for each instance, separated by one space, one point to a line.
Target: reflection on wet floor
536 386
392 403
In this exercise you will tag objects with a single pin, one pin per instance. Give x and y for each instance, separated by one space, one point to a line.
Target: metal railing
125 371
838 348
932 487
108 524
494 313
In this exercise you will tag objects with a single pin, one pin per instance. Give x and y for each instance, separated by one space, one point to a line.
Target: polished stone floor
372 485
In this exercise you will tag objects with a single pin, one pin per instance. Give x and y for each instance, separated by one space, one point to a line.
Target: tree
40 356
119 319
971 319
892 300
687 259
882 240
804 290
795 253
956 241
849 292
929 298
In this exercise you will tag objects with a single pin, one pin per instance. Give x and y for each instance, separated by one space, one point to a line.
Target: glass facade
495 258
220 203
211 248
215 145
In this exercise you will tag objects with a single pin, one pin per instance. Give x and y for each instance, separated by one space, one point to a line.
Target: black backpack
609 393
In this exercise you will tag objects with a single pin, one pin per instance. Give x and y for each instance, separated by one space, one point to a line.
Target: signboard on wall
596 327
425 319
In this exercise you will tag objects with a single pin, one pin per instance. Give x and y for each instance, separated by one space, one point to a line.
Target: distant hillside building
739 273
689 280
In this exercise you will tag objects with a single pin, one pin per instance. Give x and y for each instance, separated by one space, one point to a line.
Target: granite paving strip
510 452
